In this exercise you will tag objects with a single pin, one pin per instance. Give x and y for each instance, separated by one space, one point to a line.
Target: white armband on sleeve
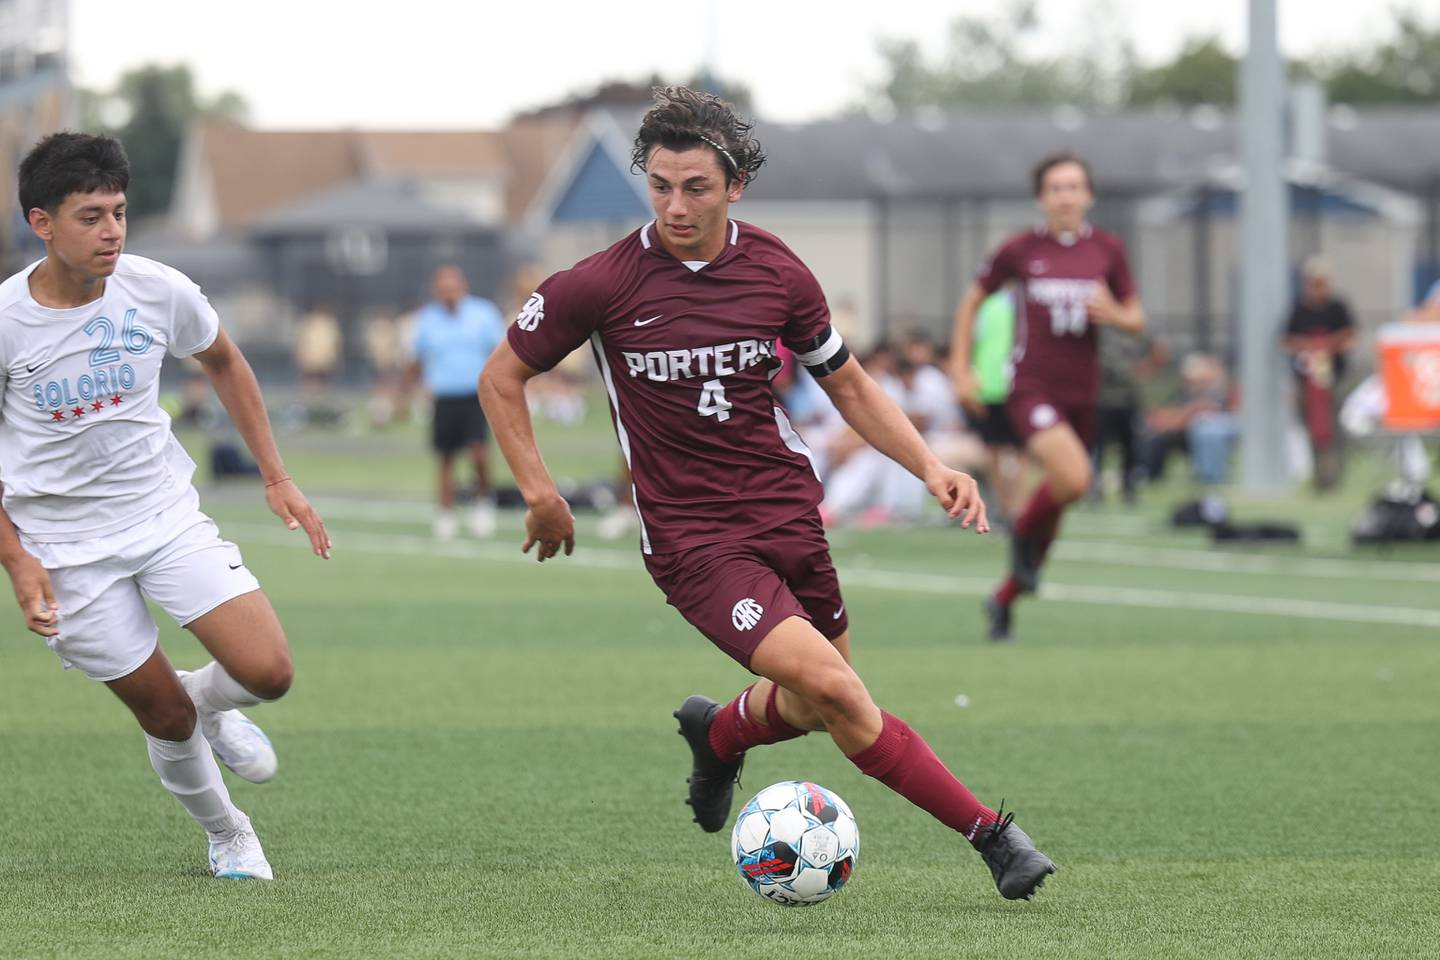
825 354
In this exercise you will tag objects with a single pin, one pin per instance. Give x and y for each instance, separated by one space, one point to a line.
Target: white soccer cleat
237 741
445 526
618 523
239 856
482 520
240 744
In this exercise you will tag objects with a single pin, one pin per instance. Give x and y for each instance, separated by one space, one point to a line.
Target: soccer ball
795 843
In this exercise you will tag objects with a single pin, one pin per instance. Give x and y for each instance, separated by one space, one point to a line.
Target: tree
987 63
1405 69
149 111
1202 72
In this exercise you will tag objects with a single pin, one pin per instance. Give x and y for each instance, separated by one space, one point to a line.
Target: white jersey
85 449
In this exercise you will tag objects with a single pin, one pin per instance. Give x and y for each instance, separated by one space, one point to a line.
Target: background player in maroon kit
1071 277
684 317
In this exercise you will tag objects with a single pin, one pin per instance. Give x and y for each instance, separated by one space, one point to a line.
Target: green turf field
1229 753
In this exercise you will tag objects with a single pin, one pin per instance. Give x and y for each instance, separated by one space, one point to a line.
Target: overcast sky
447 63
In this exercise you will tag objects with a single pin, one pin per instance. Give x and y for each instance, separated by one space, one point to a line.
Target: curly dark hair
683 118
66 163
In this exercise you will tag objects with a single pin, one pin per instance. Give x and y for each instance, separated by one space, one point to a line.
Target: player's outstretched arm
30 580
883 425
548 521
239 392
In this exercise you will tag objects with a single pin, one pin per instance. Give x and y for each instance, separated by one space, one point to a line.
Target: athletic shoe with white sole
618 523
239 856
237 741
482 520
445 526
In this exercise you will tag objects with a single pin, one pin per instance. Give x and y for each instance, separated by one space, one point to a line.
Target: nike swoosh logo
30 369
836 615
641 323
236 566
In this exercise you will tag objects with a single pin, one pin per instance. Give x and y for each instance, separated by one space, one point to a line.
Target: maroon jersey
1056 345
687 357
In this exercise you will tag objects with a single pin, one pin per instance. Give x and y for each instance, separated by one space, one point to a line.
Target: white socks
215 690
188 770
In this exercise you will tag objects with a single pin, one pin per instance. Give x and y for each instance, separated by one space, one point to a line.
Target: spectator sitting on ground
1201 422
930 402
871 489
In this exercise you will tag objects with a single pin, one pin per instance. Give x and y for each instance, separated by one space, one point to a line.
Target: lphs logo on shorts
745 614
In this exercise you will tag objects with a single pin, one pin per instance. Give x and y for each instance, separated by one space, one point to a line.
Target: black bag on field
1403 513
1270 532
227 460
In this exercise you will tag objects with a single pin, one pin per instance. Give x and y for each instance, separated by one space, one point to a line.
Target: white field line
387 544
1220 561
1069 549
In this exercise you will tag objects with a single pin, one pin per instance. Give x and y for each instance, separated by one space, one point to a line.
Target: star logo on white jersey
746 614
641 323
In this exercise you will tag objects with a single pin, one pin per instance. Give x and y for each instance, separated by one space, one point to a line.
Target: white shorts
177 559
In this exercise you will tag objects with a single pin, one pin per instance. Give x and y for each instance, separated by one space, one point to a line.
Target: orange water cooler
1410 372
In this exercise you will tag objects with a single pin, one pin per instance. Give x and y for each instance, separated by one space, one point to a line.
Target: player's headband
734 167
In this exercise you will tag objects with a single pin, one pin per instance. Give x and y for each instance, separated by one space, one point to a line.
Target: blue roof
599 191
1224 202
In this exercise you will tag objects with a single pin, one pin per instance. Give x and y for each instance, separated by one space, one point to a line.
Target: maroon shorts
736 593
1033 410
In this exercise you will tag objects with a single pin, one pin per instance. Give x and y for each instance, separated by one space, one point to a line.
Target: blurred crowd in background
1161 414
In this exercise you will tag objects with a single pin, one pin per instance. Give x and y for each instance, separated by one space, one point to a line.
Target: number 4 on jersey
713 402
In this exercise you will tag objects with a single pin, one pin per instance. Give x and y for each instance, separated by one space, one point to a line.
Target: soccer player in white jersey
99 512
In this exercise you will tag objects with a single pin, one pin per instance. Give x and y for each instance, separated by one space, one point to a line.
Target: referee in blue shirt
454 335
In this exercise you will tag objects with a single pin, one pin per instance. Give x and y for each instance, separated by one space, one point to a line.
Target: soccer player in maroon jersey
683 316
1071 278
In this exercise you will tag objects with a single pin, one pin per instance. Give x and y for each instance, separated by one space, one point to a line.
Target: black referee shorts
458 423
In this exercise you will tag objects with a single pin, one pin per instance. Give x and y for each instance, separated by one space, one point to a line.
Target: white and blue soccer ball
795 843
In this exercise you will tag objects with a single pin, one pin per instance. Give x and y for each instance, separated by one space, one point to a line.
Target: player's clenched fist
550 524
35 595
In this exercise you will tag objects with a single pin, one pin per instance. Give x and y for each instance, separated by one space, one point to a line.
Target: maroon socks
902 760
735 730
899 758
1039 523
1040 520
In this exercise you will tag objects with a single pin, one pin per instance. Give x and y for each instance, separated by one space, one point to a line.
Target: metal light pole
1264 257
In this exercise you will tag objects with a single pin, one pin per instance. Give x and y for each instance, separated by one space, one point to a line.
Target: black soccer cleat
998 615
1025 562
1018 868
712 781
